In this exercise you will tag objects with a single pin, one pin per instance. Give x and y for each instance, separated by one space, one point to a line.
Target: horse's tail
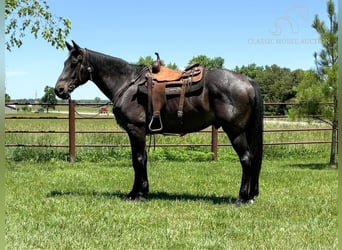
255 138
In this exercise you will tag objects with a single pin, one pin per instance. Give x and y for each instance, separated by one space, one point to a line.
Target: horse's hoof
240 201
137 197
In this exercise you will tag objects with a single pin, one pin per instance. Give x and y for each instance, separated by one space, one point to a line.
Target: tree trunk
332 161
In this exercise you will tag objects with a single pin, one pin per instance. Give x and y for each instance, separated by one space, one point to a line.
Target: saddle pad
176 89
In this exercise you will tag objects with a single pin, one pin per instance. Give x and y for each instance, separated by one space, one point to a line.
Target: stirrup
151 123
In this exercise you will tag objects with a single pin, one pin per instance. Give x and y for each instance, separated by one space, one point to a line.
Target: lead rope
151 137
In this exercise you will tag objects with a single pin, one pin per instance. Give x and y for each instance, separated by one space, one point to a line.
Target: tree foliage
323 86
49 98
207 62
97 99
7 98
172 66
328 36
276 84
33 16
147 60
309 91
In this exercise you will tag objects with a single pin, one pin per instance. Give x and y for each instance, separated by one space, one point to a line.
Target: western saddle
159 80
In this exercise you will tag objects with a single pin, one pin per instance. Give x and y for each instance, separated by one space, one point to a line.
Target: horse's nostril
62 92
59 91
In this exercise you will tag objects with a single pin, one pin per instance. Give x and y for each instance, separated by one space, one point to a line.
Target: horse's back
230 83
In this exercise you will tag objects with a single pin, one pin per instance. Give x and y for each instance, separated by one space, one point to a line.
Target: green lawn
59 205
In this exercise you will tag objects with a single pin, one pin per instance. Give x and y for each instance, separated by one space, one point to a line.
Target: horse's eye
73 62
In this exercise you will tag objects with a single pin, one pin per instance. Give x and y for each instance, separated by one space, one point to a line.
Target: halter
85 64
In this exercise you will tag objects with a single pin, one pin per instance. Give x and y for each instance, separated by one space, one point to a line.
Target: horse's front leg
139 158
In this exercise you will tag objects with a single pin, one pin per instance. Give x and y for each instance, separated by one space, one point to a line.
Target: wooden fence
72 131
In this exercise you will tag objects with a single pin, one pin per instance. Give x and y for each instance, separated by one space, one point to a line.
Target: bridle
85 64
81 65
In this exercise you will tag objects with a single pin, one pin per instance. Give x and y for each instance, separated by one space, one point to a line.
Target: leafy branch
34 16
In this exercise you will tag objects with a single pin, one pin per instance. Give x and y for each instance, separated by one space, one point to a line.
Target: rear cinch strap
181 102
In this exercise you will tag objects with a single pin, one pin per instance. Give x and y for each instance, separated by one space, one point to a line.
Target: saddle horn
156 64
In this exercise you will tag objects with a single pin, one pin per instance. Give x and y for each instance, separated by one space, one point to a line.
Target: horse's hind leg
240 145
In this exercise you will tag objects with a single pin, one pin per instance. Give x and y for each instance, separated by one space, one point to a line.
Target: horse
228 100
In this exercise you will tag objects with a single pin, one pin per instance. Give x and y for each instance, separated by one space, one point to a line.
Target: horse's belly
187 123
195 114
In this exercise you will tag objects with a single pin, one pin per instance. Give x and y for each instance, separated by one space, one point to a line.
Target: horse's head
76 71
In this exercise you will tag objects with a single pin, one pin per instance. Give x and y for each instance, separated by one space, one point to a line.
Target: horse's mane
116 63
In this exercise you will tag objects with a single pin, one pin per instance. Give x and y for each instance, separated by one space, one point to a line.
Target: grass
52 204
56 204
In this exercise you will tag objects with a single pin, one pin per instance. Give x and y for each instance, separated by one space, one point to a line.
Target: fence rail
214 144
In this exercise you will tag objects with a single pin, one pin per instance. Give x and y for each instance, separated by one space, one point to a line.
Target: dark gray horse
227 99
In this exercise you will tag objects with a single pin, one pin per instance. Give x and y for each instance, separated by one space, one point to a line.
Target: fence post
214 139
72 144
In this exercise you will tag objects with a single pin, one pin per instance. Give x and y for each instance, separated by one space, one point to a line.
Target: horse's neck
110 73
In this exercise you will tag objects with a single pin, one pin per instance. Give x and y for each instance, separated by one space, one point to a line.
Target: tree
252 70
310 90
323 86
208 63
280 82
97 99
49 99
148 60
33 16
172 66
276 84
7 98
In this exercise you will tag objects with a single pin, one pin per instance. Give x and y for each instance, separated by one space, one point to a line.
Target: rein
133 82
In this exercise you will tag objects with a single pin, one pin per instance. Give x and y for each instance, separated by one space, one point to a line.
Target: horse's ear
77 48
68 46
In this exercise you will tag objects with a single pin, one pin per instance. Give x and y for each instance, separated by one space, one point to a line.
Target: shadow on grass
314 166
190 197
151 196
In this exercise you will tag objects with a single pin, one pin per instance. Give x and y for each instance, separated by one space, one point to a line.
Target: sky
263 32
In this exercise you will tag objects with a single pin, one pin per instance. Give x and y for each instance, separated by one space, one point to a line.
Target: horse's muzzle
62 90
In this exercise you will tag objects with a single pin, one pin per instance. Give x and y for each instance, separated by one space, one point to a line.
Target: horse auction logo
287 28
291 20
